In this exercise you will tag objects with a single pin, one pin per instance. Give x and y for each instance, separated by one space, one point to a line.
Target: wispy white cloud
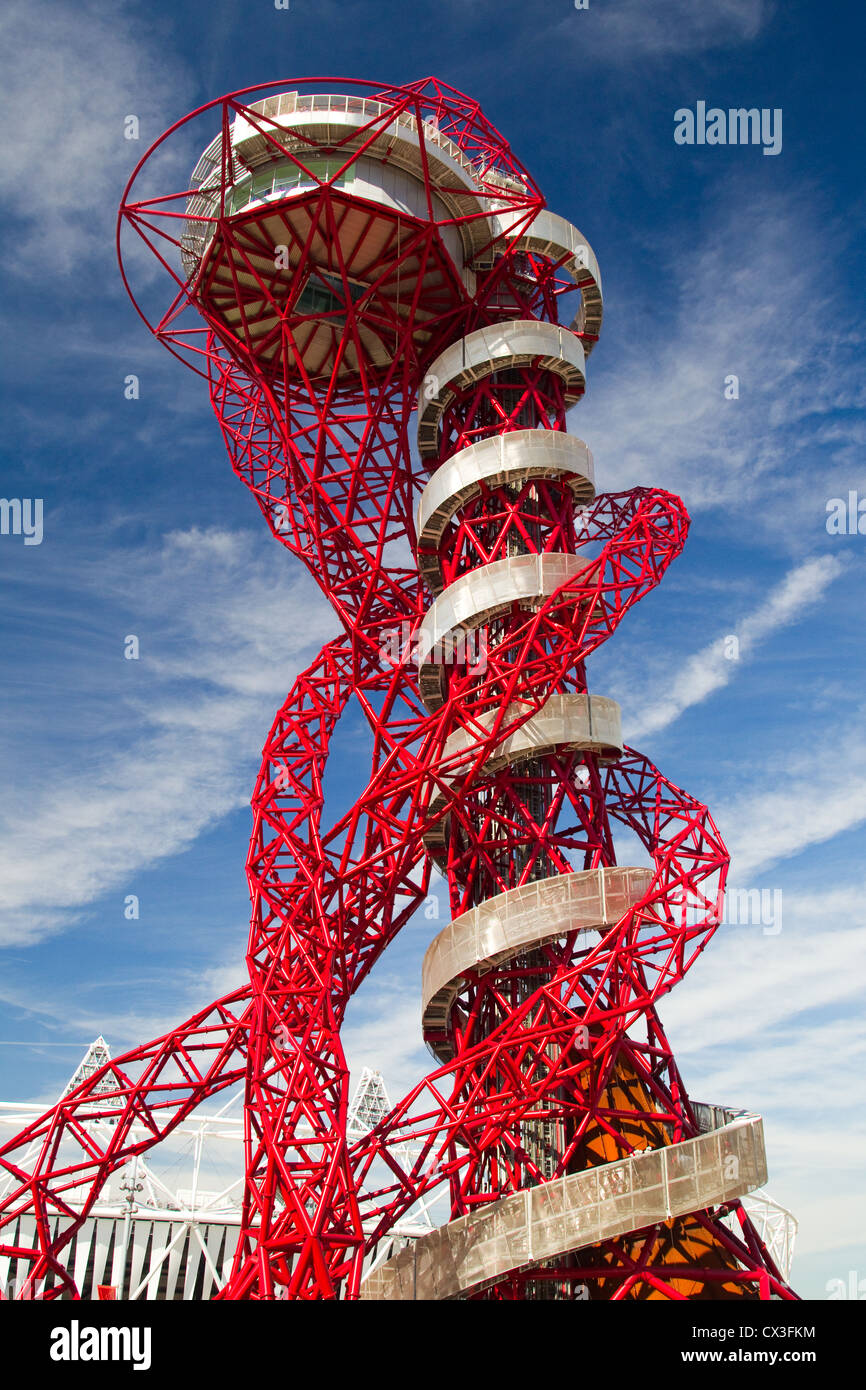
70 76
224 639
717 664
383 1030
730 305
774 1024
817 959
622 30
805 801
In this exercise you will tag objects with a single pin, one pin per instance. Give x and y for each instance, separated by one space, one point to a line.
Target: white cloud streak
69 76
623 30
729 305
714 667
774 1024
231 638
807 802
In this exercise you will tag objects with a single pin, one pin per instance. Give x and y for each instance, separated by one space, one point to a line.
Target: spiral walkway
344 268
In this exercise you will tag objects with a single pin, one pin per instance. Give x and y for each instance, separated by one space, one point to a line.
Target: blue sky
133 777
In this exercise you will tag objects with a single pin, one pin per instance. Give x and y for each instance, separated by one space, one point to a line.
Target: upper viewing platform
354 233
338 127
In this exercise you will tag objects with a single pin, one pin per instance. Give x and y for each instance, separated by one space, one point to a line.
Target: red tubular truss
347 259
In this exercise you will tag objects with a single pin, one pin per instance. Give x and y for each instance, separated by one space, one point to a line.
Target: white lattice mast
369 1104
96 1056
778 1227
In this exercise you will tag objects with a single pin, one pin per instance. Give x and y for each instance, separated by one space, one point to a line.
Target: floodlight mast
351 259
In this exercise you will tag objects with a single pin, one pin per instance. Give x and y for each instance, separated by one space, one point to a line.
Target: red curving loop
348 259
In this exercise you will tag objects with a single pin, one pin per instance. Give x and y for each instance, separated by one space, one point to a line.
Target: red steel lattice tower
350 263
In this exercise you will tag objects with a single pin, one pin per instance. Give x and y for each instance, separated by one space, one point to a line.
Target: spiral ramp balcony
333 248
562 1217
552 1220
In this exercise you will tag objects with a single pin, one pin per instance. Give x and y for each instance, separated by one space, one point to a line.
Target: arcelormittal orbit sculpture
352 264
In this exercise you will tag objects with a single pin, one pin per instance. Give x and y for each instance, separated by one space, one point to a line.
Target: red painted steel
557 1058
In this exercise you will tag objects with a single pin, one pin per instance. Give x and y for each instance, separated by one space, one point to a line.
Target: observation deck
567 1215
391 219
